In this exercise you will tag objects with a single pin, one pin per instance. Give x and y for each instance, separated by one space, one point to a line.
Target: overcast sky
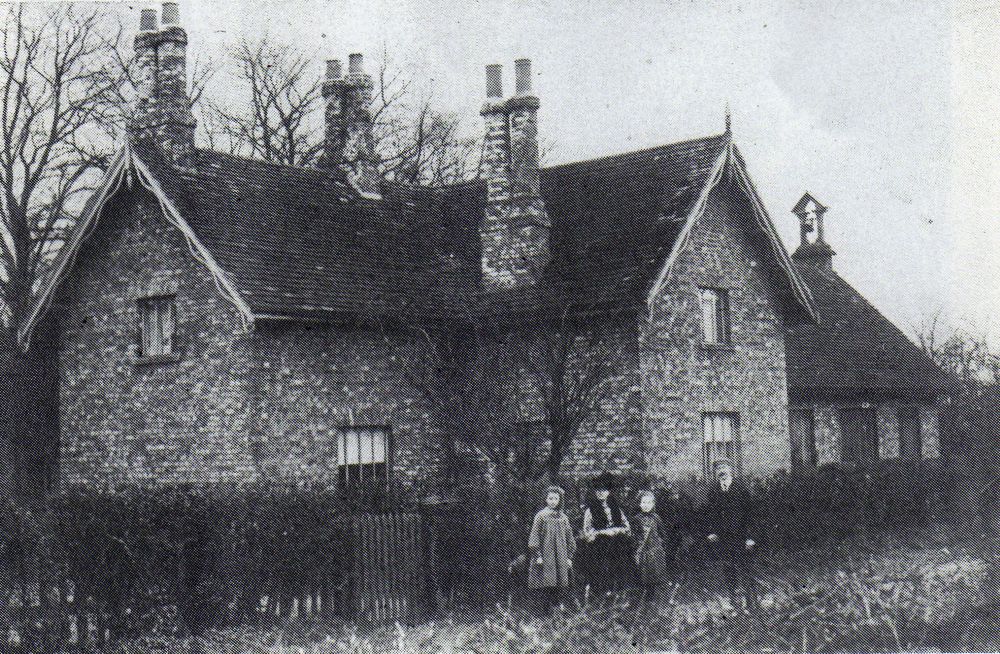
887 112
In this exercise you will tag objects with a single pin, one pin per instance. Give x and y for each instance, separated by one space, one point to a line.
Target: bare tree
61 113
518 393
428 147
276 118
415 142
279 117
573 362
965 351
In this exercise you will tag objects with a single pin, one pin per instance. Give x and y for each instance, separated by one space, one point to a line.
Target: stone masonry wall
309 381
123 420
234 406
610 440
682 377
826 416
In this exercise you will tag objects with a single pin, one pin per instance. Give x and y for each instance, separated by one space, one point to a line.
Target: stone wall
611 438
682 377
123 419
826 416
234 405
309 381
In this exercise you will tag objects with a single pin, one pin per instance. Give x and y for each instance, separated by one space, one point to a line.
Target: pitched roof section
616 219
854 347
302 243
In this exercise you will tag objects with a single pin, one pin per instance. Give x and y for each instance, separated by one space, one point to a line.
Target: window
910 446
802 426
715 315
721 432
156 326
859 435
362 459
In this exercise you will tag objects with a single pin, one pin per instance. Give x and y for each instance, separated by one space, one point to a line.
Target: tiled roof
302 242
854 347
615 219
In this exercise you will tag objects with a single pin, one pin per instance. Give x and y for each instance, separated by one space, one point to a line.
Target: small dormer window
156 326
715 316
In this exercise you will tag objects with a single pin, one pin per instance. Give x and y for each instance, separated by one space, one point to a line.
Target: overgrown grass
901 598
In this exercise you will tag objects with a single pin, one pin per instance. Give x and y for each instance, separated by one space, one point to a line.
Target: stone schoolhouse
210 315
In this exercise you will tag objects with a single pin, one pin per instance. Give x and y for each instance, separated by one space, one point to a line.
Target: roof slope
301 242
616 219
854 347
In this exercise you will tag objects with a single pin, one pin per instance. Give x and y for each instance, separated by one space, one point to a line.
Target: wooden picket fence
384 581
389 568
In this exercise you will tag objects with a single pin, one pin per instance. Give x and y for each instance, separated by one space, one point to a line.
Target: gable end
125 169
730 165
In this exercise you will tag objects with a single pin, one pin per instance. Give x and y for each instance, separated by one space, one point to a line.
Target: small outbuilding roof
854 347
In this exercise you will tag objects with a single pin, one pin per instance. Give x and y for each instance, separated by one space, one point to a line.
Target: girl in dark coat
649 536
551 546
606 553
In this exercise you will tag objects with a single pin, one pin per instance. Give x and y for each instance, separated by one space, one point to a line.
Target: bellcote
815 251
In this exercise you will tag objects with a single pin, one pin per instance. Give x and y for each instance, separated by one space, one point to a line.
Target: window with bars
715 316
363 459
156 326
721 440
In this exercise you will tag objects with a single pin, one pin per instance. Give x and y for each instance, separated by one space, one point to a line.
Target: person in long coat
728 525
649 536
551 546
676 512
606 552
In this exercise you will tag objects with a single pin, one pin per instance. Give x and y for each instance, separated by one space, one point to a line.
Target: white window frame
720 439
361 449
716 324
157 325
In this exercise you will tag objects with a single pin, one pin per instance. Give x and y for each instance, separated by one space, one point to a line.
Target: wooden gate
389 566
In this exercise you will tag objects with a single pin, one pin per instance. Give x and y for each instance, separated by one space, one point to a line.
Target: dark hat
607 481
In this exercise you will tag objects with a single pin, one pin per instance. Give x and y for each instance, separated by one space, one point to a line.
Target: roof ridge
650 150
333 172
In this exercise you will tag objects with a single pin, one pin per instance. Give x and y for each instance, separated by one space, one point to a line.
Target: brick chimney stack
163 110
496 148
349 143
516 226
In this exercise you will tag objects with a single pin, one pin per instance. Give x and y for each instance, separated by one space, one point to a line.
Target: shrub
485 528
210 551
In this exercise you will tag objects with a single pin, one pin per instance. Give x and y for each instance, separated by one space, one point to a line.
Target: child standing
650 556
551 546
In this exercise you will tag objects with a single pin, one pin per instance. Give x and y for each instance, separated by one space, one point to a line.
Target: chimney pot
494 81
171 13
147 20
334 69
522 76
355 63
